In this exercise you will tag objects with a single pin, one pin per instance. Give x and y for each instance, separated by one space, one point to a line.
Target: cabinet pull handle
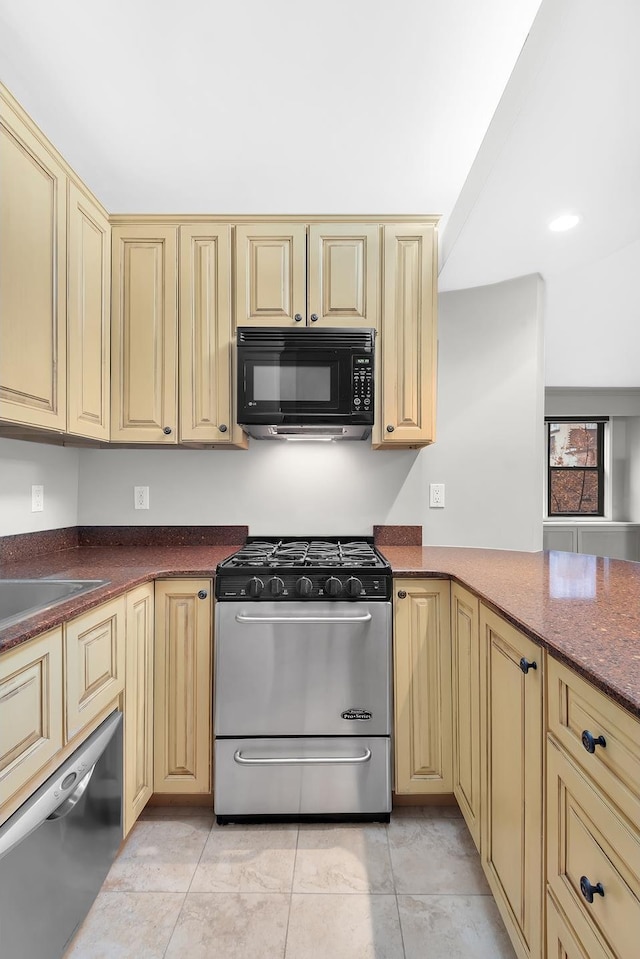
202 594
402 594
314 317
588 889
167 431
526 665
223 428
390 428
298 317
589 741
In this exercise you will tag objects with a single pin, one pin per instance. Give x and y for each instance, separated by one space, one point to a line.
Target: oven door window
309 382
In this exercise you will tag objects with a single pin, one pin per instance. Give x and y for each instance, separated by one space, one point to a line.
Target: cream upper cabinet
88 318
288 274
512 784
138 702
406 353
422 677
344 274
183 662
465 656
144 407
271 264
30 710
33 198
207 355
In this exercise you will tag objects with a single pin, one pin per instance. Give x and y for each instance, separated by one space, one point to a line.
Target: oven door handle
301 760
305 620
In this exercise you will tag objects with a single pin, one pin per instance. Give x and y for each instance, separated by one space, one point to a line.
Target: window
575 462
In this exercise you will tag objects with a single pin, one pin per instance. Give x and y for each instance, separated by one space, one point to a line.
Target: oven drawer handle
301 760
305 620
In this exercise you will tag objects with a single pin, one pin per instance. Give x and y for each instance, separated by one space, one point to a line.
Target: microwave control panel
362 379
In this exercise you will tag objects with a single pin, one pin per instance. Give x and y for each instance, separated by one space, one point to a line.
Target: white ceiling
350 106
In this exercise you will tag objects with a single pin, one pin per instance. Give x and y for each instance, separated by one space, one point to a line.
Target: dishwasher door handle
305 620
301 760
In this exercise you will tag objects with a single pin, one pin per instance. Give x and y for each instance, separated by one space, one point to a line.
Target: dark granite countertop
123 566
584 609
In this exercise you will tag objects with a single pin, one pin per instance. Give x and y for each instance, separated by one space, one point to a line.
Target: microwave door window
292 384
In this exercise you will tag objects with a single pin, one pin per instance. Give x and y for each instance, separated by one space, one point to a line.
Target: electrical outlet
37 499
141 497
436 495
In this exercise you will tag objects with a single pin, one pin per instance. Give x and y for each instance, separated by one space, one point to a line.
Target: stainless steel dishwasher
56 849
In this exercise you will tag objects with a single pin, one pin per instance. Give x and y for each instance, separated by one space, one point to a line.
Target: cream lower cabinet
138 703
465 657
94 663
512 778
30 710
422 682
183 686
406 350
33 235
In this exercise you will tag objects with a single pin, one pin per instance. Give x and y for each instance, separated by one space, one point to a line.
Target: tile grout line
175 925
395 891
293 873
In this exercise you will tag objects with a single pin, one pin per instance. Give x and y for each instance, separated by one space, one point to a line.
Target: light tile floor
184 886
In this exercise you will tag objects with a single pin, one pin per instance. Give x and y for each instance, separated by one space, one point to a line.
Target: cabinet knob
588 889
390 428
402 594
223 428
202 594
298 317
526 665
589 741
314 317
167 431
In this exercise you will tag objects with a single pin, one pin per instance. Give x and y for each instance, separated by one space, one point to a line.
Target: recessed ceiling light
565 222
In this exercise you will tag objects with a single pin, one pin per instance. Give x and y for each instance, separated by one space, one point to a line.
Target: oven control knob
304 586
353 587
255 587
333 586
275 586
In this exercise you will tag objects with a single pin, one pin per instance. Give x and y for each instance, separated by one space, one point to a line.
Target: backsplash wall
488 453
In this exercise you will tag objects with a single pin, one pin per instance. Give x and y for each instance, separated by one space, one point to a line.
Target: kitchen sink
20 598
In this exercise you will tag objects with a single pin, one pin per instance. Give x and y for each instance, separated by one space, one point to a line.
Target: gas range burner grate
306 553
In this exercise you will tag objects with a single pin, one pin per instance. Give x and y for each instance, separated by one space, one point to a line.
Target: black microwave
305 383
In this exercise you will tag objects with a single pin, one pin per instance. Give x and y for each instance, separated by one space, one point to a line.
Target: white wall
592 321
488 452
25 464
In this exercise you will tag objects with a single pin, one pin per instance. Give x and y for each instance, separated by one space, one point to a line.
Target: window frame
599 468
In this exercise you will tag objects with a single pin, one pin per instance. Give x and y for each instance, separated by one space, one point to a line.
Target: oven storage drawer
302 776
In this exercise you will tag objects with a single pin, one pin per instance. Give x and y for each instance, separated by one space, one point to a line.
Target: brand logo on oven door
362 714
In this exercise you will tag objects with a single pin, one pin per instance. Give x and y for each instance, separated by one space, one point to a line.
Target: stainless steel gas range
303 681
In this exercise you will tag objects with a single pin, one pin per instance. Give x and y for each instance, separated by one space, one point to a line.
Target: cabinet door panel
144 335
30 710
406 360
344 273
422 671
138 703
512 785
465 642
270 274
89 318
94 646
33 197
207 356
182 748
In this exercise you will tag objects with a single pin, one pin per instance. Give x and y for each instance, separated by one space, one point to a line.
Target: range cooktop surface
295 568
